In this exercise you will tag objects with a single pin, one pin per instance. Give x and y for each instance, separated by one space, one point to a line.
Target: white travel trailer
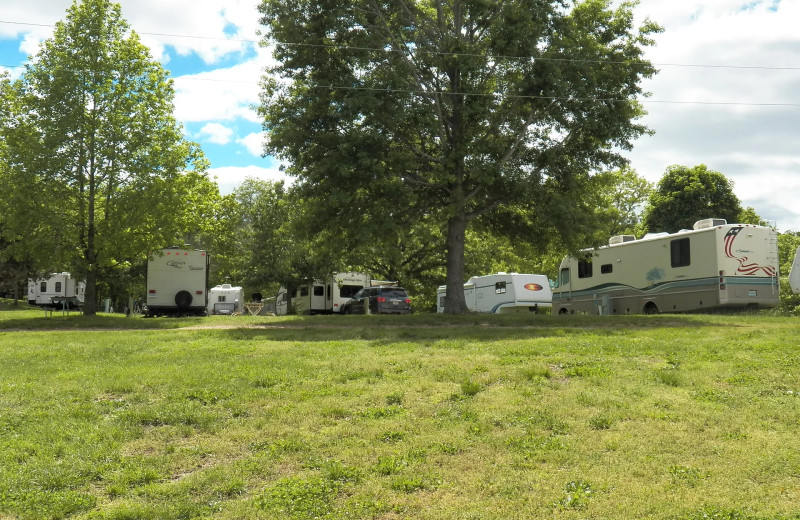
503 293
323 297
225 299
794 273
715 265
57 289
177 282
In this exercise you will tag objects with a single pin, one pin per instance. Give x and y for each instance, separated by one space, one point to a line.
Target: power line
374 49
390 90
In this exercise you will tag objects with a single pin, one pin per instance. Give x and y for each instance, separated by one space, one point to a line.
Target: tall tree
448 109
104 164
685 195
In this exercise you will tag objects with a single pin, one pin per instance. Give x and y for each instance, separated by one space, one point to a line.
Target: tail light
408 301
380 299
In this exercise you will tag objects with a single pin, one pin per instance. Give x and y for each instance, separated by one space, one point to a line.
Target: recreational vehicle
225 299
177 282
794 273
56 290
715 265
503 293
322 297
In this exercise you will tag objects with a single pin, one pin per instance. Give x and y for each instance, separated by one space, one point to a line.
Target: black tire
183 299
562 312
650 308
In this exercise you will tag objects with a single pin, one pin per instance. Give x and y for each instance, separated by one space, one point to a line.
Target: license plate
395 302
752 293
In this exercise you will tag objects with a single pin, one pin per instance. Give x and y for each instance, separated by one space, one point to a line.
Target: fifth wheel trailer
56 289
713 266
177 282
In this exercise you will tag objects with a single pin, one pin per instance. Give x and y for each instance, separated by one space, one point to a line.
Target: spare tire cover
183 299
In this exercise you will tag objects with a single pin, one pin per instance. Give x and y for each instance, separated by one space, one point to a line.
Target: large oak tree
390 110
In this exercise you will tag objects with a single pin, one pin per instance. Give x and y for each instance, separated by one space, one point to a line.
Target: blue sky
727 95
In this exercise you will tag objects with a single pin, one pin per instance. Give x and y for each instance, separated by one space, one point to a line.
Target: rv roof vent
650 236
226 286
619 239
709 223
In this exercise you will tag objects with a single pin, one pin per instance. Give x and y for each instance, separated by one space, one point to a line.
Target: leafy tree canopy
685 195
447 111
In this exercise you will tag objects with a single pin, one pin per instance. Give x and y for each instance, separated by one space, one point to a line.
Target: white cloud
752 145
229 177
216 133
220 94
254 143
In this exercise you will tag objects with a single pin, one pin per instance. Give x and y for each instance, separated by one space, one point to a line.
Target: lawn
399 417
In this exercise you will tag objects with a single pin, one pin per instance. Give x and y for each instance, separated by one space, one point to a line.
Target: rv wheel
183 299
651 308
562 311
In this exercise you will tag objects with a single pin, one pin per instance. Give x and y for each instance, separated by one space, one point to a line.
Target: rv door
563 282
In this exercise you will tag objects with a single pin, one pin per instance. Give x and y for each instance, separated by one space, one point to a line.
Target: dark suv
381 300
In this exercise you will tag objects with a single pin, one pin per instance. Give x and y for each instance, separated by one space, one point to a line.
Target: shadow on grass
398 328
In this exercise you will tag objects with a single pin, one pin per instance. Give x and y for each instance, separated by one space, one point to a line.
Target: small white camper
503 293
177 282
225 299
322 296
794 273
56 290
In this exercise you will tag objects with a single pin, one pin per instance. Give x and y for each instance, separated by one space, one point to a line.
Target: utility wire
390 90
373 49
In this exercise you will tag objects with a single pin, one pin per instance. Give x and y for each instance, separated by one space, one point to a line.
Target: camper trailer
794 273
322 297
503 293
177 282
715 265
58 289
225 299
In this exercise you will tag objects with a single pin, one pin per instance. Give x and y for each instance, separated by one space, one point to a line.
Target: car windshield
393 293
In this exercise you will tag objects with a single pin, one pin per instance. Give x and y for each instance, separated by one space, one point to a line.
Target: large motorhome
177 282
794 273
715 265
323 296
58 289
503 293
225 299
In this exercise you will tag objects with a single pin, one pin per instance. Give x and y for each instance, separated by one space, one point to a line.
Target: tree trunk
454 302
90 296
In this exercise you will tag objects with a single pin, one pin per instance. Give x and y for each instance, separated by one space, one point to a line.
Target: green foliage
422 118
685 195
100 172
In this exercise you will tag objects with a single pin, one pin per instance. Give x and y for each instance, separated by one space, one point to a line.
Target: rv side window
585 268
348 291
679 250
221 298
43 287
319 290
304 291
500 287
58 286
565 276
441 301
607 268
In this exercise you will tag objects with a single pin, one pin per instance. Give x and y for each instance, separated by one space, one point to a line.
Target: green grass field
409 417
